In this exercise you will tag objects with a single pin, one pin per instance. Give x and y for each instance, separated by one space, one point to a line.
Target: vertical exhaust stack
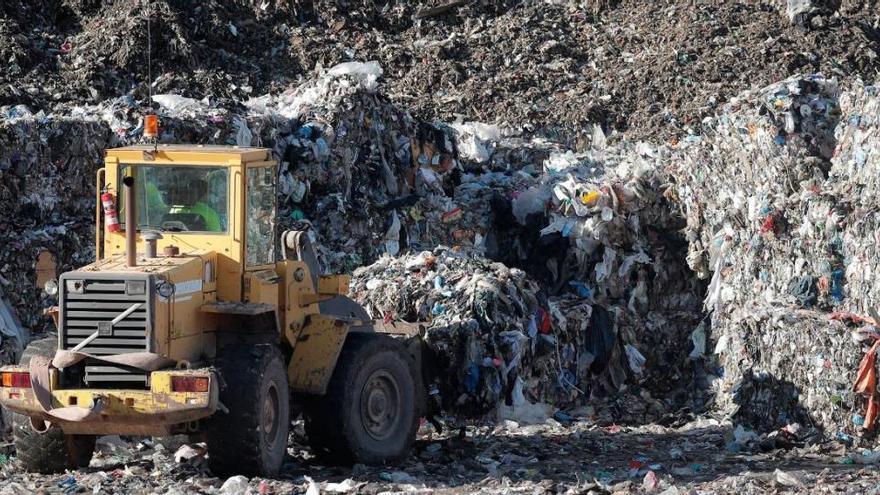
130 223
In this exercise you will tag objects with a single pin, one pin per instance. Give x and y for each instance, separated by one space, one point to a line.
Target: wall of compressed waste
778 205
625 273
47 177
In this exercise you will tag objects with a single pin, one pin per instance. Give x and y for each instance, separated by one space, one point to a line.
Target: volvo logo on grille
105 328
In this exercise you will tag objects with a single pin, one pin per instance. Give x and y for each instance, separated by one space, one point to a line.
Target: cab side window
260 216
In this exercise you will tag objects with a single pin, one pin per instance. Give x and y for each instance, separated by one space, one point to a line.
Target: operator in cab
181 198
189 201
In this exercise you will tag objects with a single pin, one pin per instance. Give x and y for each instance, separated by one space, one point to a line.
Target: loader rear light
189 384
16 379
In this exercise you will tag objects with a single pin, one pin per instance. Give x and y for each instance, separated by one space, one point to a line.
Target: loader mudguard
315 352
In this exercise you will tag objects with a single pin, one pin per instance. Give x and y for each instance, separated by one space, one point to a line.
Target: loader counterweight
124 412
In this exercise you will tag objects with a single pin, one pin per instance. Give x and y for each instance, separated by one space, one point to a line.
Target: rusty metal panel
315 353
333 284
237 308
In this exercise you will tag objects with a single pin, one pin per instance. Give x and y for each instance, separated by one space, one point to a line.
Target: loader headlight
51 287
135 287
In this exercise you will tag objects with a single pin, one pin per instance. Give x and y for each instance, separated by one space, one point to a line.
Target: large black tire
251 438
51 451
371 411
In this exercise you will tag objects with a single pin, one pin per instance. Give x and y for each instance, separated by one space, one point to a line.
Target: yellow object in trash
590 198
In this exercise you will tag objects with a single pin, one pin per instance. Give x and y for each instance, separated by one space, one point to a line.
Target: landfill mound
622 64
551 68
574 285
367 179
77 51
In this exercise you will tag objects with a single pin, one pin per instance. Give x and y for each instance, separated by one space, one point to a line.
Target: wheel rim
271 415
380 404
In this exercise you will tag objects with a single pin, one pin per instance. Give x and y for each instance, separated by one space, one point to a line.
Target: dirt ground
699 457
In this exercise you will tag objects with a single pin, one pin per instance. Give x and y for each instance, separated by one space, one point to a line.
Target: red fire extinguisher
111 219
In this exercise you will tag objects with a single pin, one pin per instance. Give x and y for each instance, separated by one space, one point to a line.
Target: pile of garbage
742 185
499 345
785 365
353 165
47 194
592 298
564 281
480 173
780 209
482 321
855 188
595 229
608 232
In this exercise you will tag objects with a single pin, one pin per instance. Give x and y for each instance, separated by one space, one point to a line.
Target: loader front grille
121 318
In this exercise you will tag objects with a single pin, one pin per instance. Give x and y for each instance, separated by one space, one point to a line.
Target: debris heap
568 282
608 234
47 194
352 163
602 301
780 211
481 319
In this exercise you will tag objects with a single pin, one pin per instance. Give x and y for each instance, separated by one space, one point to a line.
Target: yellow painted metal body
229 247
180 331
215 292
316 339
216 262
315 353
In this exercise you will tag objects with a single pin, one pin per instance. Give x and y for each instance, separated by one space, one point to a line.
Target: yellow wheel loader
187 323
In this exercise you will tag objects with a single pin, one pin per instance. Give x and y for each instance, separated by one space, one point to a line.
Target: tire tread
325 415
52 451
233 448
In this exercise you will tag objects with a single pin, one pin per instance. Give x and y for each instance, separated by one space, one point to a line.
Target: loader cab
217 202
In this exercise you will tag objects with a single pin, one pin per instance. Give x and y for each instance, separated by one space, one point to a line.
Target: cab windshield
179 198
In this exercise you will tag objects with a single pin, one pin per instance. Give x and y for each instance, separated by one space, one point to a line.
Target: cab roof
204 148
181 153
